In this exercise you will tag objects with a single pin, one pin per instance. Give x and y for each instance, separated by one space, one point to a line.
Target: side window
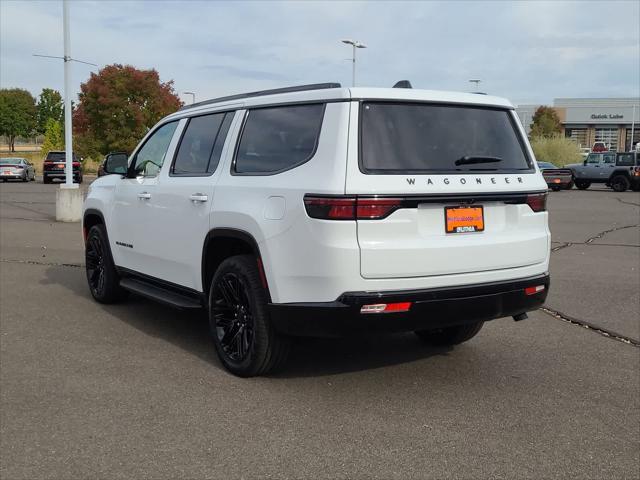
201 145
276 139
594 158
150 157
625 159
609 158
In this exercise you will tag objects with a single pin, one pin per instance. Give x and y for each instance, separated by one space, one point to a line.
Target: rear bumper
76 173
12 176
430 309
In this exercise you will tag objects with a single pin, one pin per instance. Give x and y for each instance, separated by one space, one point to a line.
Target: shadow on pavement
309 357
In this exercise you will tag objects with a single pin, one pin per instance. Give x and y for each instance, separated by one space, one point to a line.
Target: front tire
102 276
620 183
246 342
450 335
582 184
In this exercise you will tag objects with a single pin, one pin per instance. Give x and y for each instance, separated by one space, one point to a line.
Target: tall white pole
68 133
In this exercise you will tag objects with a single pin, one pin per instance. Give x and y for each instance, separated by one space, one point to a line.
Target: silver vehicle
16 169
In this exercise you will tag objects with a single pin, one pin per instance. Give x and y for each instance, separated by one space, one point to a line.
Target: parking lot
135 390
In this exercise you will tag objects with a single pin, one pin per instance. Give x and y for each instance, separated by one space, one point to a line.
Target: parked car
324 211
616 170
599 147
556 178
16 169
54 167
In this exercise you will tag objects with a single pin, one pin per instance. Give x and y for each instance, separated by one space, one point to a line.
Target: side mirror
116 163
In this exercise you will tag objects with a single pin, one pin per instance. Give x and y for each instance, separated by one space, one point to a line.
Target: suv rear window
276 139
59 157
626 159
432 138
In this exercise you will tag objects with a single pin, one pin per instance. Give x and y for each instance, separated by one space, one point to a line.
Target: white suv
321 210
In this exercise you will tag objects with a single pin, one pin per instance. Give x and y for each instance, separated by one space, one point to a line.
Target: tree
53 136
545 123
17 114
50 106
119 104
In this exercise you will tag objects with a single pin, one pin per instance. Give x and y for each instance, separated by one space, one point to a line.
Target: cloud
529 52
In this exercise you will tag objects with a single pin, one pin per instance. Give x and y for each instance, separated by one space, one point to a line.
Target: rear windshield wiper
471 160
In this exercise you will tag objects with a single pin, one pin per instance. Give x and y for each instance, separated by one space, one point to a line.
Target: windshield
427 138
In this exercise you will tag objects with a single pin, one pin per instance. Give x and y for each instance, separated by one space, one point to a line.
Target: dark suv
54 167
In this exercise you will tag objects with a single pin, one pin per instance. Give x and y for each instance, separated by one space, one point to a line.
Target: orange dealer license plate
464 219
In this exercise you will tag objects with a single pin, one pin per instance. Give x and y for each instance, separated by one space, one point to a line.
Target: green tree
53 136
546 123
17 114
118 105
50 106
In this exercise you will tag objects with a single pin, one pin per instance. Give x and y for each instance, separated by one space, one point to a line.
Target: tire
582 184
555 188
246 342
569 186
26 177
450 335
620 183
46 179
102 277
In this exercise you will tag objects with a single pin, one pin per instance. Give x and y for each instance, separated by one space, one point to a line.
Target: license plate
557 180
61 165
6 172
464 219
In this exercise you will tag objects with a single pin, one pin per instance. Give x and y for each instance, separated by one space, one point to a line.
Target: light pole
355 44
193 96
477 82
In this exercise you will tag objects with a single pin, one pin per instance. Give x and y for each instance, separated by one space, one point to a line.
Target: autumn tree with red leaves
117 107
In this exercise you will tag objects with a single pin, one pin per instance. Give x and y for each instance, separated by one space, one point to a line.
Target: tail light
636 172
537 202
76 164
350 208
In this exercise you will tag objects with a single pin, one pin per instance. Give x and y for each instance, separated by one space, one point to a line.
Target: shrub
557 149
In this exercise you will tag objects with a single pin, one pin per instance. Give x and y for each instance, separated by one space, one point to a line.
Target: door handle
198 197
144 196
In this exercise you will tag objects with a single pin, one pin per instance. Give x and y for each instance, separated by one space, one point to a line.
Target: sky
526 51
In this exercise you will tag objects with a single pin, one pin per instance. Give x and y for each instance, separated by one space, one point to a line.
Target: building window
609 136
578 135
629 145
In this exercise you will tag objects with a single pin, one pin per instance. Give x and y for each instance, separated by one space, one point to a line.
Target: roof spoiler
403 84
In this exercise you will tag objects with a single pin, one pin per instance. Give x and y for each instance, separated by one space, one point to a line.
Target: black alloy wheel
233 317
102 276
620 183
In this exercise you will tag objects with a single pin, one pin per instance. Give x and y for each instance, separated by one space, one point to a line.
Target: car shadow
309 357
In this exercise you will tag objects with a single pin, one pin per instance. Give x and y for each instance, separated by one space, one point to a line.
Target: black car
54 167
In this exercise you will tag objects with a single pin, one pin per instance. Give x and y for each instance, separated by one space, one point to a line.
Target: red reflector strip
386 307
533 290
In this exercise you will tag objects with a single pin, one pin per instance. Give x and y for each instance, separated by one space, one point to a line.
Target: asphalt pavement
135 390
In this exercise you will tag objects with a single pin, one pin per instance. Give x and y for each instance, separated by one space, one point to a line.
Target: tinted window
59 157
609 158
201 145
278 138
625 159
150 157
546 165
423 138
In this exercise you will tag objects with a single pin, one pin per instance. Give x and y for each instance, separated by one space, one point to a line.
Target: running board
159 294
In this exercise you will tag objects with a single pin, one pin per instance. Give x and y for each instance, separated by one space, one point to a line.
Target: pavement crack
628 203
597 236
589 326
35 262
560 247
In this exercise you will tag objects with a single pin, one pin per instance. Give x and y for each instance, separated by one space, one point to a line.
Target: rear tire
450 335
46 179
582 184
246 342
620 183
102 276
555 189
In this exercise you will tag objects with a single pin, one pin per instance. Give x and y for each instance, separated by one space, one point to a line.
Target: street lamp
355 44
477 82
193 96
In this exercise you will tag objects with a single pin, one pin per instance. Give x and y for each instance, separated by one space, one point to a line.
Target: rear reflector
386 307
350 208
533 290
537 202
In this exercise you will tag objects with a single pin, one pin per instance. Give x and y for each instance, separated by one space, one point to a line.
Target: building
589 120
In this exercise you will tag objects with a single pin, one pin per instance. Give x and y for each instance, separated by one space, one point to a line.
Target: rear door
460 189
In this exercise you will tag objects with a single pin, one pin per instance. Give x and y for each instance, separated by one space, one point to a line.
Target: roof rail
274 91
